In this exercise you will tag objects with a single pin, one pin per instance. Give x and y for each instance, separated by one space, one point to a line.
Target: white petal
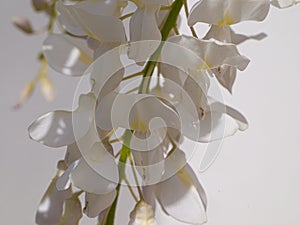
284 3
149 164
237 116
97 173
143 26
67 21
135 112
190 103
51 206
197 88
55 129
95 204
106 78
228 12
72 211
97 26
156 2
72 154
203 55
67 55
85 178
226 76
227 35
187 201
107 7
64 182
220 122
148 194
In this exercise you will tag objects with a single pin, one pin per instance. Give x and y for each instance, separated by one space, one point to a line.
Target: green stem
167 27
52 17
125 151
148 71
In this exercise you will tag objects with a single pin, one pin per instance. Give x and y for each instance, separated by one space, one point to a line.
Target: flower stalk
144 88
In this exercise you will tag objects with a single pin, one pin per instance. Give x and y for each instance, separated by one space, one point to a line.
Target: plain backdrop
255 179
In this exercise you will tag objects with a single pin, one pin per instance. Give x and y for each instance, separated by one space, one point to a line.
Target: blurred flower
23 24
47 87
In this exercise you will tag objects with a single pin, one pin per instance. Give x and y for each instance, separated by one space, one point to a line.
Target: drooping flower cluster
141 128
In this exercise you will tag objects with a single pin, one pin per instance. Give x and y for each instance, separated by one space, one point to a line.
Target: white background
254 181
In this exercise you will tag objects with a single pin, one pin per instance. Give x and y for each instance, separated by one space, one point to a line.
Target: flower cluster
153 94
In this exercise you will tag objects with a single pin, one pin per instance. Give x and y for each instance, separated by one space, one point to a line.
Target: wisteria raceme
153 94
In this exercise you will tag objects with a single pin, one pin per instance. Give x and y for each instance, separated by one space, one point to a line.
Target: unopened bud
25 94
40 5
142 214
27 91
23 24
47 88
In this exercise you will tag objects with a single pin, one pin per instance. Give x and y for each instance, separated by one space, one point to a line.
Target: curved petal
201 55
67 21
143 26
72 211
105 78
100 27
149 163
237 116
51 206
226 76
135 112
97 172
156 2
148 195
64 182
227 35
87 179
228 12
284 3
67 55
107 7
55 129
187 202
95 204
72 154
221 121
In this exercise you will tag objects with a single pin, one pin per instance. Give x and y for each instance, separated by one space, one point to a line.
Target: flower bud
27 91
142 214
47 87
23 24
40 5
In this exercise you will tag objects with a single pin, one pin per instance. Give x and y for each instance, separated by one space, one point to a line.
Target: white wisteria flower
56 129
221 14
139 136
228 12
187 202
67 55
85 21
